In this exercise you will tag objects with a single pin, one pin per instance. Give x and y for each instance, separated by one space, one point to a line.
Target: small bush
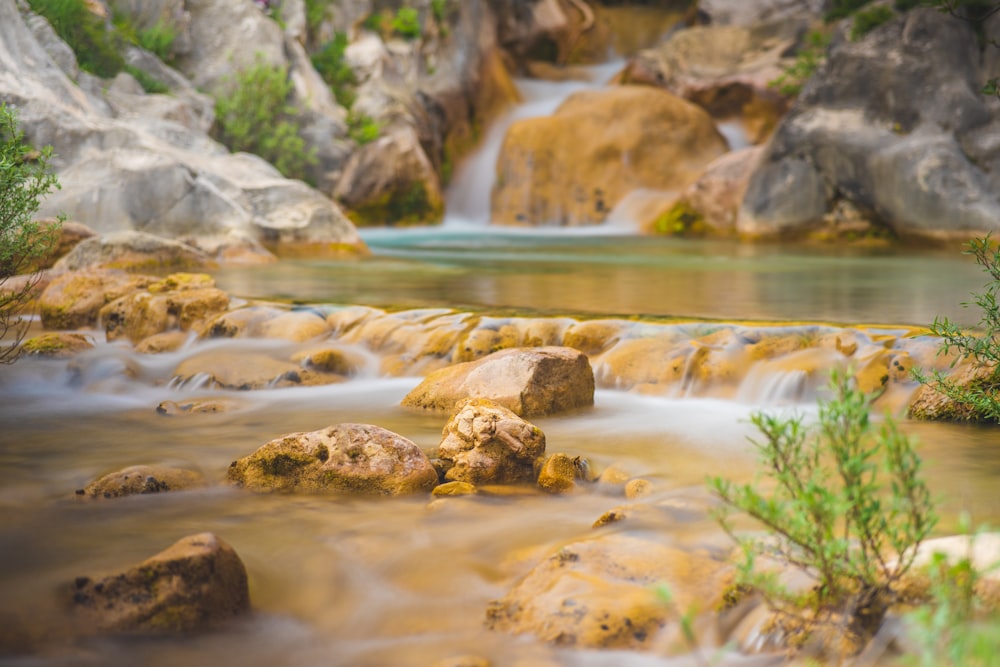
363 129
97 49
981 399
845 504
315 13
332 66
406 23
843 8
148 83
867 20
807 61
255 117
25 180
158 39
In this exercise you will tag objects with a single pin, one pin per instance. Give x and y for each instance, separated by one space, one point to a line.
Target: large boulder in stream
196 584
601 593
485 443
573 167
351 458
906 139
528 381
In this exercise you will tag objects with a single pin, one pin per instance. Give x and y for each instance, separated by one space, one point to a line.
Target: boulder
196 584
904 138
929 403
352 458
135 252
57 345
69 234
142 314
600 593
560 472
73 300
141 479
528 381
751 12
485 443
247 371
573 167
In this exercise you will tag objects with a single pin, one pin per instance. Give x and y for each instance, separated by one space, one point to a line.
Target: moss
680 220
407 205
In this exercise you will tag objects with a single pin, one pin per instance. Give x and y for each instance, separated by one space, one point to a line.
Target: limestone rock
600 593
247 371
73 300
571 168
57 345
197 583
166 341
195 406
485 443
751 12
929 403
560 472
146 313
353 458
528 381
135 252
141 479
451 489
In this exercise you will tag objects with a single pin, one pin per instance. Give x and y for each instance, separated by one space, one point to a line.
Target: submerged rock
354 458
560 472
196 584
601 593
485 443
141 479
528 381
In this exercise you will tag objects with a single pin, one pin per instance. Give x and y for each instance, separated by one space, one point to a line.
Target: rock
615 141
929 403
135 252
485 443
196 584
69 234
449 489
724 69
140 315
463 661
73 300
141 480
297 326
559 473
638 488
57 345
248 322
166 341
600 593
195 406
332 360
247 371
528 381
909 160
751 12
354 458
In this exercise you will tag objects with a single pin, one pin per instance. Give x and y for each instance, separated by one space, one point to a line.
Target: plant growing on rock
807 61
97 49
331 64
24 180
980 398
844 503
406 23
255 116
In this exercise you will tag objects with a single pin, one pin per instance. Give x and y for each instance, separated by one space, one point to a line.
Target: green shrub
867 20
25 180
97 49
255 116
844 503
332 66
363 129
439 10
406 23
148 83
807 61
315 13
159 39
843 8
980 399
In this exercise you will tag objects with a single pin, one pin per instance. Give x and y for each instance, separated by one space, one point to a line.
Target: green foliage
332 66
315 13
362 129
868 19
955 628
148 83
97 49
839 9
807 61
255 116
25 180
845 504
158 39
406 23
981 399
439 10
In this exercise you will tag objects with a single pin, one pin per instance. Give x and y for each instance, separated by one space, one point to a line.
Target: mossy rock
57 345
681 219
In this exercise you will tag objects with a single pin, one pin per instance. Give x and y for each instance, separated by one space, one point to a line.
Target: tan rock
355 458
600 593
196 584
594 336
73 300
485 443
242 322
560 472
332 360
528 381
929 403
69 235
297 326
449 489
135 252
195 406
571 168
243 370
143 314
141 479
166 341
638 488
58 345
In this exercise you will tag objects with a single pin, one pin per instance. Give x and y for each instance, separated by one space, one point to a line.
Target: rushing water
401 582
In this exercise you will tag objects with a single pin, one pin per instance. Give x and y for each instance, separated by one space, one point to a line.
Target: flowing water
361 581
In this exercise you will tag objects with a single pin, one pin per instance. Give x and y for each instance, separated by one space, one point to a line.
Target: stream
357 581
